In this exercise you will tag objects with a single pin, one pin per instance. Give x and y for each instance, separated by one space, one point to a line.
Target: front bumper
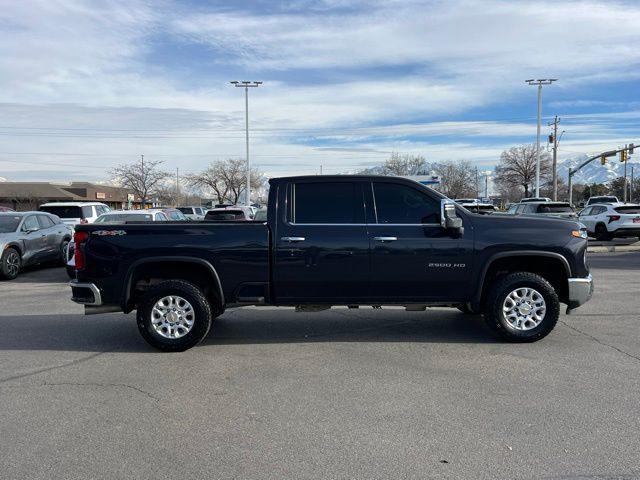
580 291
85 293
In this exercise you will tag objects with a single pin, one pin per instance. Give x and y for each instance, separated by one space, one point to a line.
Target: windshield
63 212
555 209
603 200
226 215
9 223
124 217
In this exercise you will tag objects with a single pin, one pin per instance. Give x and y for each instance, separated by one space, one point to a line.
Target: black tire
63 252
602 233
498 292
71 272
467 310
8 259
202 317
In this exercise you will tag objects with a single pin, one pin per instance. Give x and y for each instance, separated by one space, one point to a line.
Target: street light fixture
539 82
246 85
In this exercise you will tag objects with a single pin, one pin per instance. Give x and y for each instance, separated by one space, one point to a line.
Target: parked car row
28 238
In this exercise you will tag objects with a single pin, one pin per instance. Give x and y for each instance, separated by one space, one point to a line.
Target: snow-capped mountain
595 172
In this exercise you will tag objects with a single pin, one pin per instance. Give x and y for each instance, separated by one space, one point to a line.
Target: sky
86 85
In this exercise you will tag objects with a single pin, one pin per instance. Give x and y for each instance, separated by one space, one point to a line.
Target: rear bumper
580 290
627 232
85 293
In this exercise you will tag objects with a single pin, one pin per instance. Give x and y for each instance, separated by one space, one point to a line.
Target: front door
321 244
413 258
35 241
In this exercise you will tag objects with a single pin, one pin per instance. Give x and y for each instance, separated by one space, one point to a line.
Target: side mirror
449 219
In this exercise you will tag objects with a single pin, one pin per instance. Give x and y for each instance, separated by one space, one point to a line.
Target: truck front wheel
522 307
174 316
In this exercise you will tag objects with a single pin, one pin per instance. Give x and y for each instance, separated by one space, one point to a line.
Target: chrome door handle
292 239
385 239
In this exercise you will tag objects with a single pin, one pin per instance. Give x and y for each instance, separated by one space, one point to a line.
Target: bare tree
457 179
404 164
226 179
143 178
517 168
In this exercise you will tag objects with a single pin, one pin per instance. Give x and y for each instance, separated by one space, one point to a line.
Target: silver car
27 238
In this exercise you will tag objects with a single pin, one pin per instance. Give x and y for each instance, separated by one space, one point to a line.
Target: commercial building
24 196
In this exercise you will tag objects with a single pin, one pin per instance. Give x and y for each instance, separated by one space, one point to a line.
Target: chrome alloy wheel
524 309
13 263
172 317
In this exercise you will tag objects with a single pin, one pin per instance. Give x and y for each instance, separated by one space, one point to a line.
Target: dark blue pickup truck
336 240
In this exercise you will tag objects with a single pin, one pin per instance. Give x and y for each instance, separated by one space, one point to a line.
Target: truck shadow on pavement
118 333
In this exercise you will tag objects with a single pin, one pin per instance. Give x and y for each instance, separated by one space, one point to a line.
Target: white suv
73 213
605 221
193 213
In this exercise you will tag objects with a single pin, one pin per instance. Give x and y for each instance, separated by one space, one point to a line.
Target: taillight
613 218
79 239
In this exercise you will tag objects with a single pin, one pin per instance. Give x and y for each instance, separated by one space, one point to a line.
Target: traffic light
551 138
623 156
631 146
603 160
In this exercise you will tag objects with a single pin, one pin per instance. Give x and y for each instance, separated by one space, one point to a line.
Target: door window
31 224
160 217
402 204
87 212
45 222
586 212
326 202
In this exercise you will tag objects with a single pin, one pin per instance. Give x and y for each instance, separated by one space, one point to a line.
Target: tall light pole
539 82
246 85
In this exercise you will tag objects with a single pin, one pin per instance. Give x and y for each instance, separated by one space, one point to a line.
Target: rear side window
186 210
630 210
397 203
63 212
327 202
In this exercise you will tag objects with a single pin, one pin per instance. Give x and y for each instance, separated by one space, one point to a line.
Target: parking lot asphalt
337 394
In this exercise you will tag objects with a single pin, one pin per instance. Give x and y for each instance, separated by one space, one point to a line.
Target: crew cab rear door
321 243
413 258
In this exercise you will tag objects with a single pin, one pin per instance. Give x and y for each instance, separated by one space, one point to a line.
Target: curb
614 248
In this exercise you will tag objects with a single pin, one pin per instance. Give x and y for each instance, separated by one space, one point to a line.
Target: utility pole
556 140
477 186
486 185
177 187
625 178
631 186
321 169
246 85
142 178
539 82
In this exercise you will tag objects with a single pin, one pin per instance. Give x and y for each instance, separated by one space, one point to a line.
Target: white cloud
414 67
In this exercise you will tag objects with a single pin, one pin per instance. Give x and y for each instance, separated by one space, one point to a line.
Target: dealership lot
341 394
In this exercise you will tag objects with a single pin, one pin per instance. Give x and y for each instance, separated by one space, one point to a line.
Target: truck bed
238 252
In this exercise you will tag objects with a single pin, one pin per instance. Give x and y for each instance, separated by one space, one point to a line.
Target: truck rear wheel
522 307
174 316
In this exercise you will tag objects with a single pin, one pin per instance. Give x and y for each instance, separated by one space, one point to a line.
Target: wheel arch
15 246
202 273
519 261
